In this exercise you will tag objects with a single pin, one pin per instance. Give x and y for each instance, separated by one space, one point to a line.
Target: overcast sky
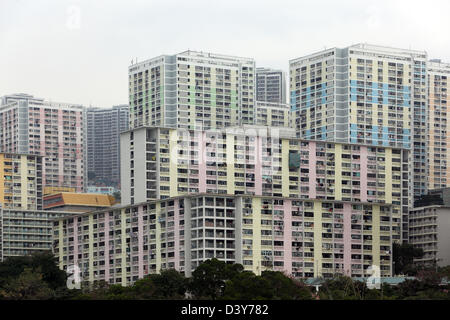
79 51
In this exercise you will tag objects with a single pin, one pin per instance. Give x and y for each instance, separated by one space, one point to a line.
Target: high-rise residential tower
103 128
365 94
272 114
270 85
20 181
53 130
192 90
159 163
438 124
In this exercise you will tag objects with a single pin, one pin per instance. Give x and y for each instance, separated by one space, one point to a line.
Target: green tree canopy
403 256
12 267
208 279
29 285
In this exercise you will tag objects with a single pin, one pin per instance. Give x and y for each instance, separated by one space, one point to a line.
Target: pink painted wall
60 148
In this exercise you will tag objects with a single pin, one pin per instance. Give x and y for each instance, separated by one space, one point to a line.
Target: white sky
79 51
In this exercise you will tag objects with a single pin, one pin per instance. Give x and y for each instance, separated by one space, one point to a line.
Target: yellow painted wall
376 235
230 163
317 238
257 266
285 167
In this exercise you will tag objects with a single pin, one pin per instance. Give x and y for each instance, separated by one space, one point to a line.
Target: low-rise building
23 232
77 202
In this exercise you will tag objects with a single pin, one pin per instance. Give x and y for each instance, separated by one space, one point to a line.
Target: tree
12 267
403 257
208 279
169 284
44 261
285 288
430 278
342 288
445 271
247 286
29 285
51 274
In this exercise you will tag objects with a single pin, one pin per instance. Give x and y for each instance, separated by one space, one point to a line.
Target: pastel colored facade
53 190
365 94
438 126
192 90
429 229
270 85
103 128
272 114
301 237
50 129
158 163
77 202
21 181
23 232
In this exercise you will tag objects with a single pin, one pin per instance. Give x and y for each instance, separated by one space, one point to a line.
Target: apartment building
158 163
103 128
429 229
53 130
438 126
302 237
21 181
365 94
270 85
23 232
193 90
272 114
